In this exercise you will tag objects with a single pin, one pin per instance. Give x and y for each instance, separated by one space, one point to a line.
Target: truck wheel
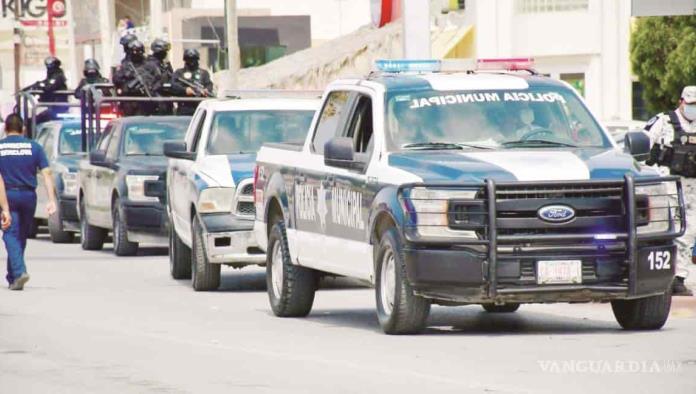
648 313
505 308
91 237
179 257
122 246
399 310
290 287
55 230
205 276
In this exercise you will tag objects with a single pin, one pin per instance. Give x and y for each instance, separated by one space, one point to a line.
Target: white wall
330 18
594 42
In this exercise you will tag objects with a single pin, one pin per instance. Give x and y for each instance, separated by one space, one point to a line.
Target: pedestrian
20 160
673 139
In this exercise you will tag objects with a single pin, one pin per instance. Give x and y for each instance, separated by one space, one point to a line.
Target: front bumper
146 222
501 264
230 239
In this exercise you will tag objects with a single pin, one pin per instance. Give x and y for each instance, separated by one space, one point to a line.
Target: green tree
663 56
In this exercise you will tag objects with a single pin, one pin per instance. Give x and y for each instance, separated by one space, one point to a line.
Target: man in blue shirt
20 160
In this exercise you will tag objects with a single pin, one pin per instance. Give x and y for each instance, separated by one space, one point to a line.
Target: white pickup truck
476 187
209 182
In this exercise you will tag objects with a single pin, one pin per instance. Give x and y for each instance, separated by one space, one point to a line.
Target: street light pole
17 41
233 61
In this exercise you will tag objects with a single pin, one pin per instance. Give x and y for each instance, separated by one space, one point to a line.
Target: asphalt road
89 322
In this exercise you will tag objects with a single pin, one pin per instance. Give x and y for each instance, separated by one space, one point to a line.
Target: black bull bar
490 237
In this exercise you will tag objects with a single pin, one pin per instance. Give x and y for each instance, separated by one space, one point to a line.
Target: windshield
148 138
504 119
245 131
70 141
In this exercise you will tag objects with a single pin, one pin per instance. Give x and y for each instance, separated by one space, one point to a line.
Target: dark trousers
22 208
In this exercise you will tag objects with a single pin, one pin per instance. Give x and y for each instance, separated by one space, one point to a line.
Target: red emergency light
510 64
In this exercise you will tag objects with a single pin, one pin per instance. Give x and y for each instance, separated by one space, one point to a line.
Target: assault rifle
198 89
138 81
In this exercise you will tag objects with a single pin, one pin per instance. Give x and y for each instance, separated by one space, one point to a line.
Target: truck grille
598 209
245 198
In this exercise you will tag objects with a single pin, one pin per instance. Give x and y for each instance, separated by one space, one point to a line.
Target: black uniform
163 86
136 78
55 80
191 76
92 75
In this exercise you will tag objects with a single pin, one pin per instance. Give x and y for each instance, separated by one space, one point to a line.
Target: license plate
559 272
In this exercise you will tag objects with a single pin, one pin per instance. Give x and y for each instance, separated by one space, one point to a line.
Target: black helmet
136 50
52 63
191 57
91 68
159 48
127 39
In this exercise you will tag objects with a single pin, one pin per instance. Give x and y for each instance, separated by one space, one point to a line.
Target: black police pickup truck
111 195
477 187
62 141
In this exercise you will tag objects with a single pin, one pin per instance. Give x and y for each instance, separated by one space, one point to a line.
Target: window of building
576 80
541 6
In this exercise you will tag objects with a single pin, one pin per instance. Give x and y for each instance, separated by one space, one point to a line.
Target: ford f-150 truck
476 187
209 182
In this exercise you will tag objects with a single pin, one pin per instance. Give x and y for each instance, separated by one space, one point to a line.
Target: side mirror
637 144
97 158
177 150
338 152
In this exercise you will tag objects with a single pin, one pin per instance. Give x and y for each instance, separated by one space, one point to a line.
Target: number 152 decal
660 260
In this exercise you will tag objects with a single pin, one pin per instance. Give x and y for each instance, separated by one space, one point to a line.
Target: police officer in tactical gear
163 86
125 41
673 138
92 75
191 81
55 80
135 78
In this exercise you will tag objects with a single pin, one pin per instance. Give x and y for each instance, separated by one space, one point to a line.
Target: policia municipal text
20 158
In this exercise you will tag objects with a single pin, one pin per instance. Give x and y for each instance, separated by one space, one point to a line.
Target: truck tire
122 246
204 275
505 308
55 230
399 310
179 257
290 288
91 237
648 313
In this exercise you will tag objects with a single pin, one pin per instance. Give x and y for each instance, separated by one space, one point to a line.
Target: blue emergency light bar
68 115
452 65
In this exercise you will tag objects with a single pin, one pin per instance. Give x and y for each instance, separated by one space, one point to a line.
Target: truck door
106 178
90 181
182 178
309 189
350 197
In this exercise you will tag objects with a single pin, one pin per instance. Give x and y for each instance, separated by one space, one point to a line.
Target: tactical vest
683 155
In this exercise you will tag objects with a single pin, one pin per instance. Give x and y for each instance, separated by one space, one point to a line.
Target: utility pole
17 41
233 61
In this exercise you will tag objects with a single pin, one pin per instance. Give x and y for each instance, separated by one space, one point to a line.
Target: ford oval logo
556 213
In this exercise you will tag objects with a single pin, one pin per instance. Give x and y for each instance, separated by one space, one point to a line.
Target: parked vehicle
62 142
209 182
111 195
476 187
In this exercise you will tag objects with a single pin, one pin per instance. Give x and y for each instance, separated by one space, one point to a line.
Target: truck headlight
428 211
216 200
136 187
658 209
69 183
